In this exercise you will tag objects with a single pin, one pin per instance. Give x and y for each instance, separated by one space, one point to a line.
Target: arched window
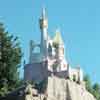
49 48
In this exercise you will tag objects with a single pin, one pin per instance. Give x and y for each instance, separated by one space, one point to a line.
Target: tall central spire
44 12
44 35
43 19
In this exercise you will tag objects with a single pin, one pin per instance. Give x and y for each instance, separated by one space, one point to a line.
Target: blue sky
78 20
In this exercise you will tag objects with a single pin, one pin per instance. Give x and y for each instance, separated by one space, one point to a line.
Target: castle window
36 49
49 48
74 77
55 45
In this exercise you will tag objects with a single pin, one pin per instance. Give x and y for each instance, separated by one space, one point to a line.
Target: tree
10 59
88 83
96 91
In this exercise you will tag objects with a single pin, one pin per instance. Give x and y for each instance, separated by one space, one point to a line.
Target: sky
78 21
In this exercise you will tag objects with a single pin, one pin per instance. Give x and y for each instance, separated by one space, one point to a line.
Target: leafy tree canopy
10 59
94 89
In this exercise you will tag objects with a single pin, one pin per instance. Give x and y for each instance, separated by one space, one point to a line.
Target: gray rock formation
65 89
57 89
32 93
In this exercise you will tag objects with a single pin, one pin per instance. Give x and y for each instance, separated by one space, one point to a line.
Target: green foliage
88 83
3 88
41 86
94 89
3 91
10 59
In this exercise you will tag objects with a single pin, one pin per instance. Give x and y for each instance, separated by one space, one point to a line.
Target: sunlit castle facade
48 57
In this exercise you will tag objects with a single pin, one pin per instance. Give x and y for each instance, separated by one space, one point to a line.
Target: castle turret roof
58 39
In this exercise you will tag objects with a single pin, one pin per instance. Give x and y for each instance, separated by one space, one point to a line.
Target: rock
65 89
57 89
78 92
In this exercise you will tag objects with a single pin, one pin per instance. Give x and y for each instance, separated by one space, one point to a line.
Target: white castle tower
60 45
44 34
50 59
43 46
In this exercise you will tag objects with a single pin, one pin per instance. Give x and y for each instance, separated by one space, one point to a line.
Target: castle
48 57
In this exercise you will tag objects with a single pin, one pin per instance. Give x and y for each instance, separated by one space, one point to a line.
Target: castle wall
35 71
61 74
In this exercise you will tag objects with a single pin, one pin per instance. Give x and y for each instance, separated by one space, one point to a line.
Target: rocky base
57 89
65 89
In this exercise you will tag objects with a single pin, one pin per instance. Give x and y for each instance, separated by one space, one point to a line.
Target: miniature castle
48 57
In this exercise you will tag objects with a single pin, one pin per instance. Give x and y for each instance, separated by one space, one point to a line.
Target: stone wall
35 71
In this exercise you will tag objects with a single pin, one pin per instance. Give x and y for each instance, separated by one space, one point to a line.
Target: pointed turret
44 35
58 39
59 45
43 12
43 19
